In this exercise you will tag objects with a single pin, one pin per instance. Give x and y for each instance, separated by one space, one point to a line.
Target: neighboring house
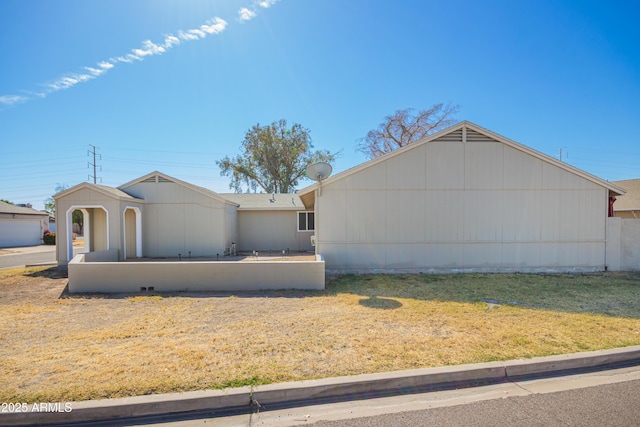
462 199
160 216
21 226
52 223
628 206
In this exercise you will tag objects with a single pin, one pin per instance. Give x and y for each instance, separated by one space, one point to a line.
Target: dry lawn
59 347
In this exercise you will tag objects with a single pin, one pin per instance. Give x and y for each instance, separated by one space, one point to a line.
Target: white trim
69 221
138 214
307 221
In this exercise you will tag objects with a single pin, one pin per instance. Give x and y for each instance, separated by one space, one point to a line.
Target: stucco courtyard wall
193 275
623 244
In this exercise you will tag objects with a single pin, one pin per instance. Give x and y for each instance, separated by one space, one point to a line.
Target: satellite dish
319 171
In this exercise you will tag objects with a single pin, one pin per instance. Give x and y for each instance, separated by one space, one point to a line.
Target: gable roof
111 192
631 200
13 209
262 201
462 128
157 176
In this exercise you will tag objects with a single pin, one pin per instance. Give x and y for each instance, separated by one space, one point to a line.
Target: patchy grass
58 347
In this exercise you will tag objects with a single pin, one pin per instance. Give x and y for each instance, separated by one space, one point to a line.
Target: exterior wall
272 230
178 220
628 214
109 223
231 224
475 206
623 247
192 276
98 230
130 236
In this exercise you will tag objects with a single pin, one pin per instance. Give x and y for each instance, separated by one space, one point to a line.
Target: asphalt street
605 405
32 255
22 259
604 398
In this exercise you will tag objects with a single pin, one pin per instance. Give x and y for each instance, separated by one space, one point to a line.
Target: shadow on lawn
49 273
608 294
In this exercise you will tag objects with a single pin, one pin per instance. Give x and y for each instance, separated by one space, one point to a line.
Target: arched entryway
132 220
96 228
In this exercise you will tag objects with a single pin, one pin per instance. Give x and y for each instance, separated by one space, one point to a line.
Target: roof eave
269 209
98 189
516 145
201 190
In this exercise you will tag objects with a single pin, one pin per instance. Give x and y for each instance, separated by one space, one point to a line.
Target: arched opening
132 220
95 227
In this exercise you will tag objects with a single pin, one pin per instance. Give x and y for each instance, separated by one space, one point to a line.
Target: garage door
14 232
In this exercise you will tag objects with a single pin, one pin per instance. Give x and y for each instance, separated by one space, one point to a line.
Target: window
306 221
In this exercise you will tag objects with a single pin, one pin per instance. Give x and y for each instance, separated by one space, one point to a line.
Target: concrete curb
323 390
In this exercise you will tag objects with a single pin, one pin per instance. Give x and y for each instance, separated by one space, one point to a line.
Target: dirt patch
35 285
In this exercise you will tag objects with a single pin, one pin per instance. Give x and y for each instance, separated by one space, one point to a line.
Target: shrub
49 238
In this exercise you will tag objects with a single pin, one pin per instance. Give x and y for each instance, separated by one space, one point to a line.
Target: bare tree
403 128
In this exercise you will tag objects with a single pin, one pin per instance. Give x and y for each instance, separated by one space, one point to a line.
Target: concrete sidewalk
35 249
249 399
27 250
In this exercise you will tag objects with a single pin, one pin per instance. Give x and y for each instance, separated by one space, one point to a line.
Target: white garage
21 226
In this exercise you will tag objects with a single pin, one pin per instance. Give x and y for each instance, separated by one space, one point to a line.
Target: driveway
32 255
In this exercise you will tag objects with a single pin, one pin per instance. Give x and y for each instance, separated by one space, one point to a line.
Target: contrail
148 48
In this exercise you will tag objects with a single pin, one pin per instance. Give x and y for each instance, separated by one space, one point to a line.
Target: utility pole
89 164
566 153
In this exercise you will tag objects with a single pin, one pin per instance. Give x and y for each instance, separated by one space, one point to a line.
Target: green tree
6 201
274 158
404 127
50 206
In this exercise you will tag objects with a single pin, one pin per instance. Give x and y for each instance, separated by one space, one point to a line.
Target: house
21 226
272 221
158 216
462 199
628 206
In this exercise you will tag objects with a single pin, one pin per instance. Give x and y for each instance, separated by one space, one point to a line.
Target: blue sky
174 85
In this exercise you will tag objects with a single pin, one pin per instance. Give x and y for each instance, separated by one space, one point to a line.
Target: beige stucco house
157 215
463 199
21 226
628 206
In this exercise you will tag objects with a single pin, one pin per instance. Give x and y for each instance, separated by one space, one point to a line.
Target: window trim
306 224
